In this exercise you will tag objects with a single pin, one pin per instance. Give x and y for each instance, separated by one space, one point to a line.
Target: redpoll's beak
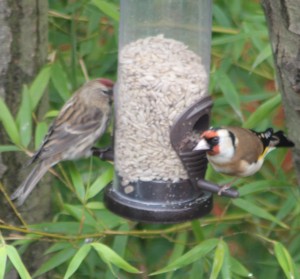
202 145
109 92
109 86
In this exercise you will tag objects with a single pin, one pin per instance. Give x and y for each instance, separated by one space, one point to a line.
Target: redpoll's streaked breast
82 120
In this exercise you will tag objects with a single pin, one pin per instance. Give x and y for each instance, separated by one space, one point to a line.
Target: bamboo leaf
51 113
77 260
239 269
263 112
194 254
9 123
100 183
107 8
58 259
285 260
257 211
3 259
119 246
40 132
263 55
111 257
78 213
39 86
24 118
256 186
77 181
218 260
15 259
8 148
178 249
68 227
197 270
179 246
230 93
57 247
198 231
220 16
224 30
226 267
60 81
95 205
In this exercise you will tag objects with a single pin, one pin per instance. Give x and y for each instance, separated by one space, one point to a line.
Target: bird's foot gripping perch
195 119
106 153
196 163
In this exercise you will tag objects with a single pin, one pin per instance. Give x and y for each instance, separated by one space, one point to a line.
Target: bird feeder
161 99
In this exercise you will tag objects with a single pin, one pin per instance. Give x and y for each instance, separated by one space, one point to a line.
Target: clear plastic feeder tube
163 74
164 59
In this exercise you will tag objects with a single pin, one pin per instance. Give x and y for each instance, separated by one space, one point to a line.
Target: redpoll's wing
30 182
81 134
64 113
36 155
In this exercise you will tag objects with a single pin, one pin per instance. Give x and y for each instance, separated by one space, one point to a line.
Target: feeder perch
160 99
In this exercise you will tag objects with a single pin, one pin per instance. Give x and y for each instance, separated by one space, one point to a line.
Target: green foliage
38 86
11 253
192 255
284 260
218 262
9 123
263 112
253 236
60 257
257 211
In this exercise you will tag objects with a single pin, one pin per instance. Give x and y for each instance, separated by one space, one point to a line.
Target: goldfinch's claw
224 188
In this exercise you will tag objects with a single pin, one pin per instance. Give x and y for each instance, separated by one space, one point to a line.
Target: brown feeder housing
161 100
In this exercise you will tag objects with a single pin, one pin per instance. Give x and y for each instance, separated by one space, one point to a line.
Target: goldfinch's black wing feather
280 140
277 139
265 136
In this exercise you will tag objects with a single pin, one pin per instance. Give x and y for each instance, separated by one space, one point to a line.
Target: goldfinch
237 151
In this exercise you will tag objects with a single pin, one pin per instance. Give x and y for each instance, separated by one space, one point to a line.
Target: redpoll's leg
106 153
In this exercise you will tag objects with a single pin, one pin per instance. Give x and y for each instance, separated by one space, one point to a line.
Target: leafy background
256 235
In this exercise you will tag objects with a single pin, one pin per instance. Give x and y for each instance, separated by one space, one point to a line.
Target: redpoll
81 121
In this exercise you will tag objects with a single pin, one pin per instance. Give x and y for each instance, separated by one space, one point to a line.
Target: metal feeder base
142 205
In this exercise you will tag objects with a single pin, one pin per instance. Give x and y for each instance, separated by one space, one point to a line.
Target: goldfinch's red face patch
209 142
209 134
212 138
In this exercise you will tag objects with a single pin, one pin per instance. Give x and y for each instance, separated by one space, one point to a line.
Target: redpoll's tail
280 140
30 182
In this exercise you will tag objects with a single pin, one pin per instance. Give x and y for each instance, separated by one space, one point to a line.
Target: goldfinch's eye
214 141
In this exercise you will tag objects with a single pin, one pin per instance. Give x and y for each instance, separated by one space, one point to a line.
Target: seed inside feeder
158 79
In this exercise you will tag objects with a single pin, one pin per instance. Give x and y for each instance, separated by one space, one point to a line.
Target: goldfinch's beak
202 145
